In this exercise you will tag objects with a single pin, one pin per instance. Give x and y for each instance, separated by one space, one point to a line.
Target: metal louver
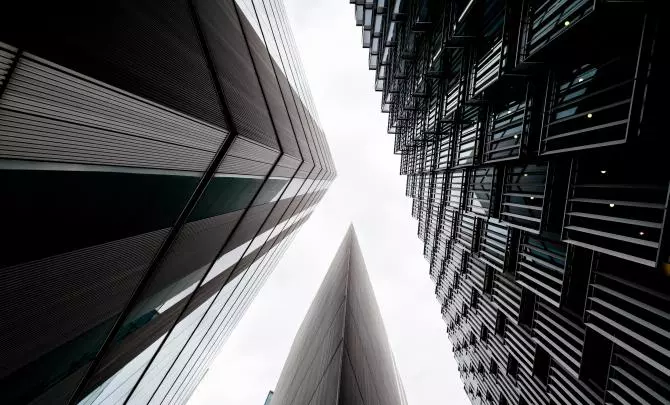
546 121
617 209
541 266
524 195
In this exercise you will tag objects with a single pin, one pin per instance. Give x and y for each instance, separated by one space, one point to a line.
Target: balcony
618 207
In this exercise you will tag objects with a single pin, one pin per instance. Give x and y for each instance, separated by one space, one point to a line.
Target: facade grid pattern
157 159
531 136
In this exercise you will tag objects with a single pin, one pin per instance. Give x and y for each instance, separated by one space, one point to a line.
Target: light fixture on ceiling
611 205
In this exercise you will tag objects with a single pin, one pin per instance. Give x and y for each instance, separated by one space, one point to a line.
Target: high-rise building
269 398
531 136
156 159
341 354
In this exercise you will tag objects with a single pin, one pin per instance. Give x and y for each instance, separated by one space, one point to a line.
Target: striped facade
530 133
156 160
341 355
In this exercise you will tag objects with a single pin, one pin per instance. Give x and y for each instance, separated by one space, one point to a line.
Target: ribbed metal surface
234 66
7 61
127 270
341 353
38 317
53 114
157 55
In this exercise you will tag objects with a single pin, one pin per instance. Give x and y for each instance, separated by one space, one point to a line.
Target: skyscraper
156 159
341 354
531 136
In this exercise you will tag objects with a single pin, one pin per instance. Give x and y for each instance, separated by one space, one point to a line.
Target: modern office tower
156 159
530 133
341 354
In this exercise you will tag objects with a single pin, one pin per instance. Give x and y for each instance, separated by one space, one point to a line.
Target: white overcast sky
368 192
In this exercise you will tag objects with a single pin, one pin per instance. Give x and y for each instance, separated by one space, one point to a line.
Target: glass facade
341 354
531 136
156 162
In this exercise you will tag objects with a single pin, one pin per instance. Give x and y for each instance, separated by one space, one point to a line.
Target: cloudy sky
368 192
